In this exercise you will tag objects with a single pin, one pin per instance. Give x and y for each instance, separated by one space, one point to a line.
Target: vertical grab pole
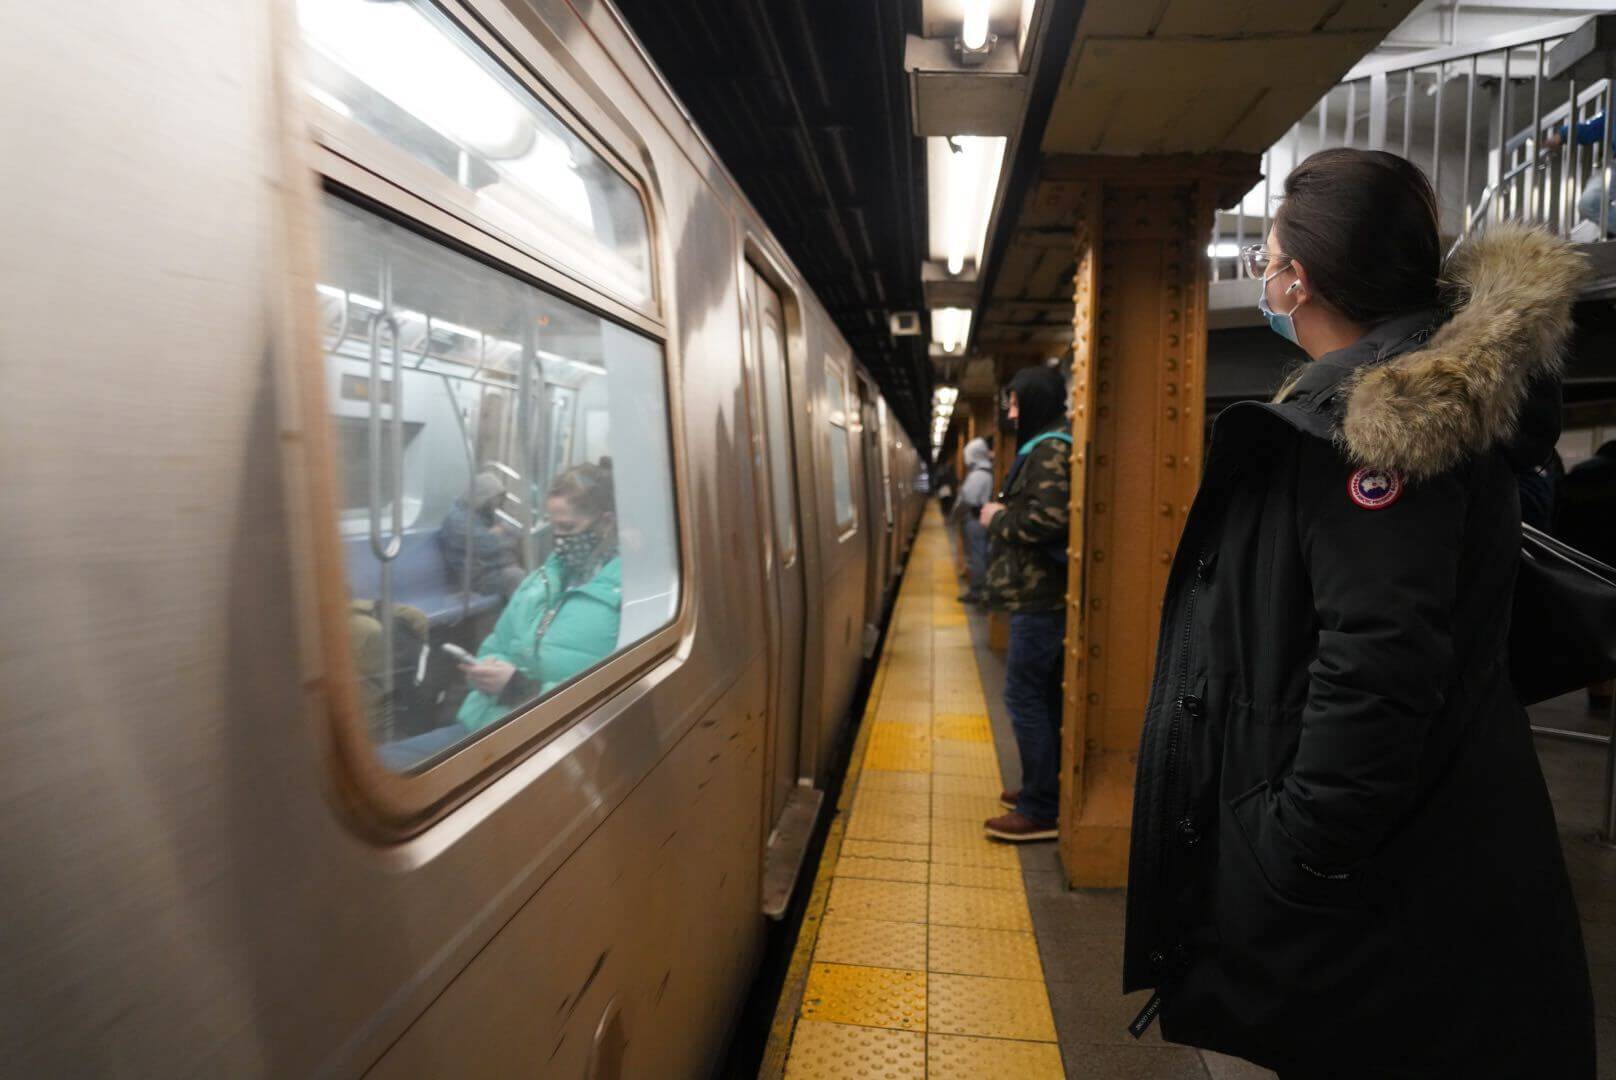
1505 206
1607 831
1350 129
1436 135
386 550
1240 234
1538 209
1569 163
1470 128
1267 191
1604 162
1408 109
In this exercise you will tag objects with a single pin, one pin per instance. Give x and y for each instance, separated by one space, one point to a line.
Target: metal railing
1498 161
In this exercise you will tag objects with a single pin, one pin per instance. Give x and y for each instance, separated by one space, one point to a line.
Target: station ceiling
1155 77
805 102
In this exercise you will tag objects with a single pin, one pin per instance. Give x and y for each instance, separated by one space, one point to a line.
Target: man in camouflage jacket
1027 577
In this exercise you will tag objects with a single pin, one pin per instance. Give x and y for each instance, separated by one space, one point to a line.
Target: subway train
442 538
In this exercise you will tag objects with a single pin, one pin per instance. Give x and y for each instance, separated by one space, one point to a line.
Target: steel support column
1138 387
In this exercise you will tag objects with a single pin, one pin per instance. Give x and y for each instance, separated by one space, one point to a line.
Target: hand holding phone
457 653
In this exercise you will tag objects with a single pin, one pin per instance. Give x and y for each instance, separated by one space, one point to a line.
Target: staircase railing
1491 158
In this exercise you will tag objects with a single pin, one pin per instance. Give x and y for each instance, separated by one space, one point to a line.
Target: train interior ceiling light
475 124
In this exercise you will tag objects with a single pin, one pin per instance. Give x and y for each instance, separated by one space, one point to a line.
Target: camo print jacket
1027 569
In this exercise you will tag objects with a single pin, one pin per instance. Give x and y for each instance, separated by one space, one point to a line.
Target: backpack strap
1036 439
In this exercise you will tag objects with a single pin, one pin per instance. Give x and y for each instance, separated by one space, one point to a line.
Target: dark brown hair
587 488
1363 223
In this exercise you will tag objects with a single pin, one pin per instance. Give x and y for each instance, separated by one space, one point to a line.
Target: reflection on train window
507 484
404 71
840 468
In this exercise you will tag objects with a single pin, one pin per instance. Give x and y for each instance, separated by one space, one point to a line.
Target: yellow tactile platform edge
916 957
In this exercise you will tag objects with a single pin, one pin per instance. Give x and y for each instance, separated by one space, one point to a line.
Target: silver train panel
184 891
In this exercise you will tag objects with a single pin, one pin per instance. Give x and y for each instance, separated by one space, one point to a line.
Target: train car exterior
360 331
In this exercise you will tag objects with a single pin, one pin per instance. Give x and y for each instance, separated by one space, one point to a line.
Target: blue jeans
1032 695
1592 195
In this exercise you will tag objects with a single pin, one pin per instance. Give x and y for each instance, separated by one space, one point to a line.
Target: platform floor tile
975 807
986 909
983 852
861 898
949 784
872 943
899 757
898 828
882 869
970 950
869 996
916 804
883 780
963 727
886 849
959 1057
996 1008
981 877
842 1051
923 961
824 1051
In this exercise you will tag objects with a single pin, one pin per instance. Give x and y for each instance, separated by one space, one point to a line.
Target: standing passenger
1027 577
975 492
1345 863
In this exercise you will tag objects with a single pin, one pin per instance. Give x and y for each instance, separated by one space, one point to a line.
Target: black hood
1040 401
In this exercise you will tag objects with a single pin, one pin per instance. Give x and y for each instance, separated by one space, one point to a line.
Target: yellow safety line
916 956
785 1016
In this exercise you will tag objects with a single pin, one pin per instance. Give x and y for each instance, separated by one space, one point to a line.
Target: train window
840 466
508 516
404 71
778 422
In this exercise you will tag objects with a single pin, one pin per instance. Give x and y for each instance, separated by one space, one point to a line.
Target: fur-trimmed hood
1425 410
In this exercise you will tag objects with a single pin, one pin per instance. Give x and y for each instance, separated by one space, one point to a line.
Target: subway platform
928 950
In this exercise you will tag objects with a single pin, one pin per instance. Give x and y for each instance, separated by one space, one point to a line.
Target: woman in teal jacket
561 620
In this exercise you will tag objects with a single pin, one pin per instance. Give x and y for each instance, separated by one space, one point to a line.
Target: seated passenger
401 711
471 531
564 616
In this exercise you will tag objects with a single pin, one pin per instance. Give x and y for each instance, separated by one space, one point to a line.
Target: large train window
507 511
404 72
840 467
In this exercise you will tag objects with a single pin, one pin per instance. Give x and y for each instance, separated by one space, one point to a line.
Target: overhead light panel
974 29
951 328
962 180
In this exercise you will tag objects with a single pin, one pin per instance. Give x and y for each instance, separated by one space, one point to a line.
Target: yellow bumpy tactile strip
920 957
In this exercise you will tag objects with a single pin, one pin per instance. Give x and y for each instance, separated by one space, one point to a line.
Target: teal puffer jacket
583 632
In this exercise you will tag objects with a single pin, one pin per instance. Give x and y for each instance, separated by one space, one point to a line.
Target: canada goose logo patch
1375 489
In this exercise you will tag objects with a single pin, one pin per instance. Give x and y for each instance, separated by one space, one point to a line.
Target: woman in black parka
1344 860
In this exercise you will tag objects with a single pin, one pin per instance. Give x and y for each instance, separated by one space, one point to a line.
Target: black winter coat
1344 859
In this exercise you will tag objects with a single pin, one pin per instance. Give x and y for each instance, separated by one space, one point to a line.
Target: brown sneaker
1008 797
1018 828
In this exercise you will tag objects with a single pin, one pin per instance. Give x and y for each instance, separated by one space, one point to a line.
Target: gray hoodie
977 489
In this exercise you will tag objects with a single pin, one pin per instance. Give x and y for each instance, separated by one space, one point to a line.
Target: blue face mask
1282 324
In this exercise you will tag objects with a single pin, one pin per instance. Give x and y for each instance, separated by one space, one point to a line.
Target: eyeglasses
1260 262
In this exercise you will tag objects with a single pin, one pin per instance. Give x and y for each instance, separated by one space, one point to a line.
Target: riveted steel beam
1138 387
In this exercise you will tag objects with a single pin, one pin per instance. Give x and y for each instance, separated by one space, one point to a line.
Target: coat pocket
1284 867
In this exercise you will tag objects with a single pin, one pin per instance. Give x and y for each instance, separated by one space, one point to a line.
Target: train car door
792 805
878 511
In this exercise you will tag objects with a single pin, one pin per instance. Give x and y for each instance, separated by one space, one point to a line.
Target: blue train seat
421 579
